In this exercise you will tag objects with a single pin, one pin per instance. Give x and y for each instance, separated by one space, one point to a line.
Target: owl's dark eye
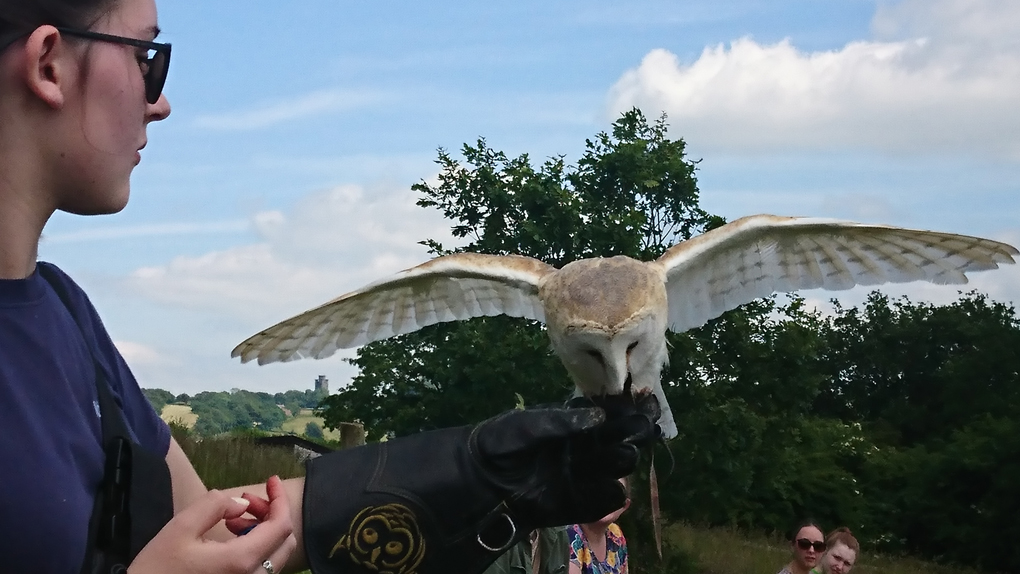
394 548
631 346
596 355
370 536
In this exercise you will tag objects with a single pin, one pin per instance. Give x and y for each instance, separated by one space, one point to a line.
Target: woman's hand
182 547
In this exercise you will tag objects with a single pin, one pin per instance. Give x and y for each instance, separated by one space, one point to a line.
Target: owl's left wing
759 255
449 288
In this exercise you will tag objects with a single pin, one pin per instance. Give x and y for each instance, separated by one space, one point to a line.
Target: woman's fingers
240 526
257 506
183 546
275 528
206 512
258 509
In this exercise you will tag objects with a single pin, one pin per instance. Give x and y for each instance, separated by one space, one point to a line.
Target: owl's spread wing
759 255
449 288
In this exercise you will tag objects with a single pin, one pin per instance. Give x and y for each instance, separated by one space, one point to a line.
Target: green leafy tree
314 431
898 419
219 412
633 192
916 371
295 400
158 398
937 391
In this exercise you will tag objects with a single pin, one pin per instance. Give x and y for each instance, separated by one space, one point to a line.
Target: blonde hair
842 536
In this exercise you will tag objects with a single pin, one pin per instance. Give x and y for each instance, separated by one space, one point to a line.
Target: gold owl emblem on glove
384 539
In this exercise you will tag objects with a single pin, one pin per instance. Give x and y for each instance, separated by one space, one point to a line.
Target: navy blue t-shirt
51 458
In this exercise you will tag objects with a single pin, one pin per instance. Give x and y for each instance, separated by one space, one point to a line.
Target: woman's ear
47 67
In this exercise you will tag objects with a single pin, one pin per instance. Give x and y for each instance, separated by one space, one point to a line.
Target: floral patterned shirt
616 552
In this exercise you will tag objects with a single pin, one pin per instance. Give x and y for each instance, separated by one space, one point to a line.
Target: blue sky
282 177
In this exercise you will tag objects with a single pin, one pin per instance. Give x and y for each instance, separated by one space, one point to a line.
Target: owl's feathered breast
603 294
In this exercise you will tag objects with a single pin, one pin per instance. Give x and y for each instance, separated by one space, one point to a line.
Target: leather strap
135 498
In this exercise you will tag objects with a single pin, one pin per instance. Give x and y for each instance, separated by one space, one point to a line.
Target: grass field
724 551
228 461
298 422
295 424
180 413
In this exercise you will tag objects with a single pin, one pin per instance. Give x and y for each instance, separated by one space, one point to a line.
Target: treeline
898 419
220 412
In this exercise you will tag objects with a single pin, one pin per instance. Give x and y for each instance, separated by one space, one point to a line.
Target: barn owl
607 317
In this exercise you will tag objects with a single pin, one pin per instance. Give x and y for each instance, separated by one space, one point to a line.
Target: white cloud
270 113
331 242
140 354
944 77
981 26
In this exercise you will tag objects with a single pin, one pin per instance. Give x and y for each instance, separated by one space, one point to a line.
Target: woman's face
615 515
839 559
808 557
112 112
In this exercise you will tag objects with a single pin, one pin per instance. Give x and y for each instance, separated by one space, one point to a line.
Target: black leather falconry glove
451 501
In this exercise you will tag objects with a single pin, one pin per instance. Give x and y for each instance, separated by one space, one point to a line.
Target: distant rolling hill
295 424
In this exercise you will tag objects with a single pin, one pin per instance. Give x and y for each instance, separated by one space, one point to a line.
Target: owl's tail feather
653 489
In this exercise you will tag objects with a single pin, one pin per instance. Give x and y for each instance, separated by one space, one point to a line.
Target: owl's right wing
759 255
449 288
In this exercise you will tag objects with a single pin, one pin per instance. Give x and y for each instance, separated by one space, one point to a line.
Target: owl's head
607 322
601 362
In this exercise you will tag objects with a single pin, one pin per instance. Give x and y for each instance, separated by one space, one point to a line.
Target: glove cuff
414 505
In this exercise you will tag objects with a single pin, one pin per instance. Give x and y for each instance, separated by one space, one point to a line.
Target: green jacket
554 551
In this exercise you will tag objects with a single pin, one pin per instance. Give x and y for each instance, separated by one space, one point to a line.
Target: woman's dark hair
792 533
21 17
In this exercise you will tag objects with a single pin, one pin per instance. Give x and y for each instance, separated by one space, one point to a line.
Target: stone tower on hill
322 385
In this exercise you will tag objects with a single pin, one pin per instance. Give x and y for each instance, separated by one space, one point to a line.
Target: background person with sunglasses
807 545
91 479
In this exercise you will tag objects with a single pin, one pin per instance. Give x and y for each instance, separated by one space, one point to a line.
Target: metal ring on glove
509 541
268 567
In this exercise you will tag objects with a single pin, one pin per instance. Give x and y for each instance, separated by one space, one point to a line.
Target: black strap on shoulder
135 498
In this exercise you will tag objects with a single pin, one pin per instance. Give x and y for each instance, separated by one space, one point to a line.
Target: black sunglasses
804 544
156 64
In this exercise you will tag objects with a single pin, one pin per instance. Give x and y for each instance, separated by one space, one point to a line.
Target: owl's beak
375 554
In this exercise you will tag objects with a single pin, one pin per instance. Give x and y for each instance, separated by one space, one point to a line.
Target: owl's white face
600 361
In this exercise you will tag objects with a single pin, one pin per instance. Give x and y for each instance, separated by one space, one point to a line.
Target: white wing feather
759 255
450 288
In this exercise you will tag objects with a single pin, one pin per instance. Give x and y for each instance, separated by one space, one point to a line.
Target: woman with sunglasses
807 545
79 83
92 481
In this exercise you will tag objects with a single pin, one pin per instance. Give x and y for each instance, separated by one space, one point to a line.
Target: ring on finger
268 567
